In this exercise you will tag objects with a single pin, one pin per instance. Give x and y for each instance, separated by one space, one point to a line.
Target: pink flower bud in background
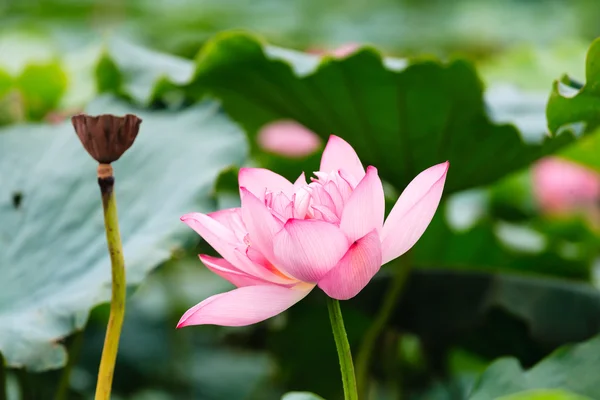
345 50
288 138
564 187
342 51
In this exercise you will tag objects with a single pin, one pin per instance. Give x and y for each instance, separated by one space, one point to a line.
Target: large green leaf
572 367
53 256
577 108
401 118
574 108
140 73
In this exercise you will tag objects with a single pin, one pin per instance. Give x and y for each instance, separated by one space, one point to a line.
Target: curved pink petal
413 212
288 138
232 219
227 271
338 154
301 201
217 235
350 179
261 224
365 208
326 214
308 249
281 206
254 263
321 197
300 182
338 202
258 180
243 306
343 186
225 243
355 269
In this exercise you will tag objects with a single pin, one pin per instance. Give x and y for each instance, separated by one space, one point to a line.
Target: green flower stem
117 303
2 378
26 387
62 392
363 359
343 349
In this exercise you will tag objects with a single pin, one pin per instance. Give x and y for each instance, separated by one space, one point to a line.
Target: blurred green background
501 272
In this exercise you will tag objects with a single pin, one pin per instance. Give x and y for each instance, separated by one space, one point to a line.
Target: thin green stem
363 359
25 386
62 393
343 349
117 303
2 378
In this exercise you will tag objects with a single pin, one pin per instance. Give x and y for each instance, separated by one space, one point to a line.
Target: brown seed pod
106 137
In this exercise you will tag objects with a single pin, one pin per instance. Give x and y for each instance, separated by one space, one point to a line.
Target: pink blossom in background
288 138
339 52
287 238
345 50
561 186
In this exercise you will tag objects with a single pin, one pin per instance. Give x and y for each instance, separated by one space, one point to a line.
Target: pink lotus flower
287 238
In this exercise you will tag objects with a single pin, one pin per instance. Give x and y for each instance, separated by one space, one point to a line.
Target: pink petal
336 196
355 269
344 187
301 203
338 154
413 212
326 214
259 180
288 138
282 205
254 263
243 306
321 197
256 256
300 182
232 219
221 238
308 249
225 243
350 179
365 209
227 271
260 223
